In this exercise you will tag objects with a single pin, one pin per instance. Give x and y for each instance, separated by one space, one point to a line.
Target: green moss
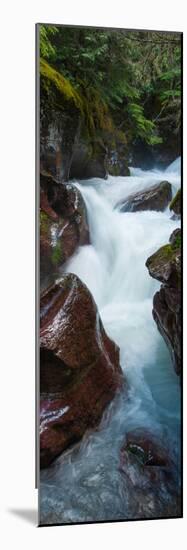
175 203
62 84
44 222
164 253
114 170
177 242
56 255
88 101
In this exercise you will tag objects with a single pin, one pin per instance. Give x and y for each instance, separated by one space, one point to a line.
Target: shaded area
30 515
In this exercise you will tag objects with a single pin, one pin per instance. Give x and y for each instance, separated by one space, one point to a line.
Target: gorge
128 467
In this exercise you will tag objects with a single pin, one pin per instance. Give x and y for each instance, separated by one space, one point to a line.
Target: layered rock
63 224
79 366
67 155
165 266
175 205
156 198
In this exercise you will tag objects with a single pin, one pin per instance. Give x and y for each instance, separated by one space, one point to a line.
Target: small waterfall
85 484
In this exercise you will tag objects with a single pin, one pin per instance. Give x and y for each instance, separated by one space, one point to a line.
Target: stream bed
86 483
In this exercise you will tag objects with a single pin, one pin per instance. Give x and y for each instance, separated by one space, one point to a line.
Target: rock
156 197
79 366
165 266
147 156
88 161
63 225
144 448
143 459
175 204
116 159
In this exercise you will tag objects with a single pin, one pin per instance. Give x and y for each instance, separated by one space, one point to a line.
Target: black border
37 272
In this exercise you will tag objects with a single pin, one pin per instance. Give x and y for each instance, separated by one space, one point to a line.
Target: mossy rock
165 264
175 204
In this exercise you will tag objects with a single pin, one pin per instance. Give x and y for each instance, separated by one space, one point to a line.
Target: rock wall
165 266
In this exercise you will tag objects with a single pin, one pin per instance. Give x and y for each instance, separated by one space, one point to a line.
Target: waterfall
85 483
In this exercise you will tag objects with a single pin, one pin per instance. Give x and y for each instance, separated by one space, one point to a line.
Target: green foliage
142 127
125 84
47 50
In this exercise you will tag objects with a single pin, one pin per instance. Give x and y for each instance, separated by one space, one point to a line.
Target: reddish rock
79 368
45 207
63 224
143 459
156 198
144 448
149 475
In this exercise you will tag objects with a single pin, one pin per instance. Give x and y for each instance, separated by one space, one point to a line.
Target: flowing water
86 483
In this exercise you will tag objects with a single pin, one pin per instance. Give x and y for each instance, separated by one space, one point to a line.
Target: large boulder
63 225
156 197
79 366
165 266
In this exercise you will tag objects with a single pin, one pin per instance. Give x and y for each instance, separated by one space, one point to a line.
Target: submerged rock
156 197
79 366
165 266
175 204
143 447
63 224
147 466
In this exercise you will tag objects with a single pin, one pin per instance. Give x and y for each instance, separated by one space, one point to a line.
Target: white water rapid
85 483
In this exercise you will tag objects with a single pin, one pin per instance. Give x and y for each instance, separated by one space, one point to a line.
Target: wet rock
143 459
58 128
144 448
165 266
147 466
116 159
156 197
63 224
147 156
88 161
79 366
175 204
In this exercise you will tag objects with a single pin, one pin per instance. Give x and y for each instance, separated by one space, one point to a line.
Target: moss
114 170
44 222
164 253
177 242
96 120
62 84
176 202
56 255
